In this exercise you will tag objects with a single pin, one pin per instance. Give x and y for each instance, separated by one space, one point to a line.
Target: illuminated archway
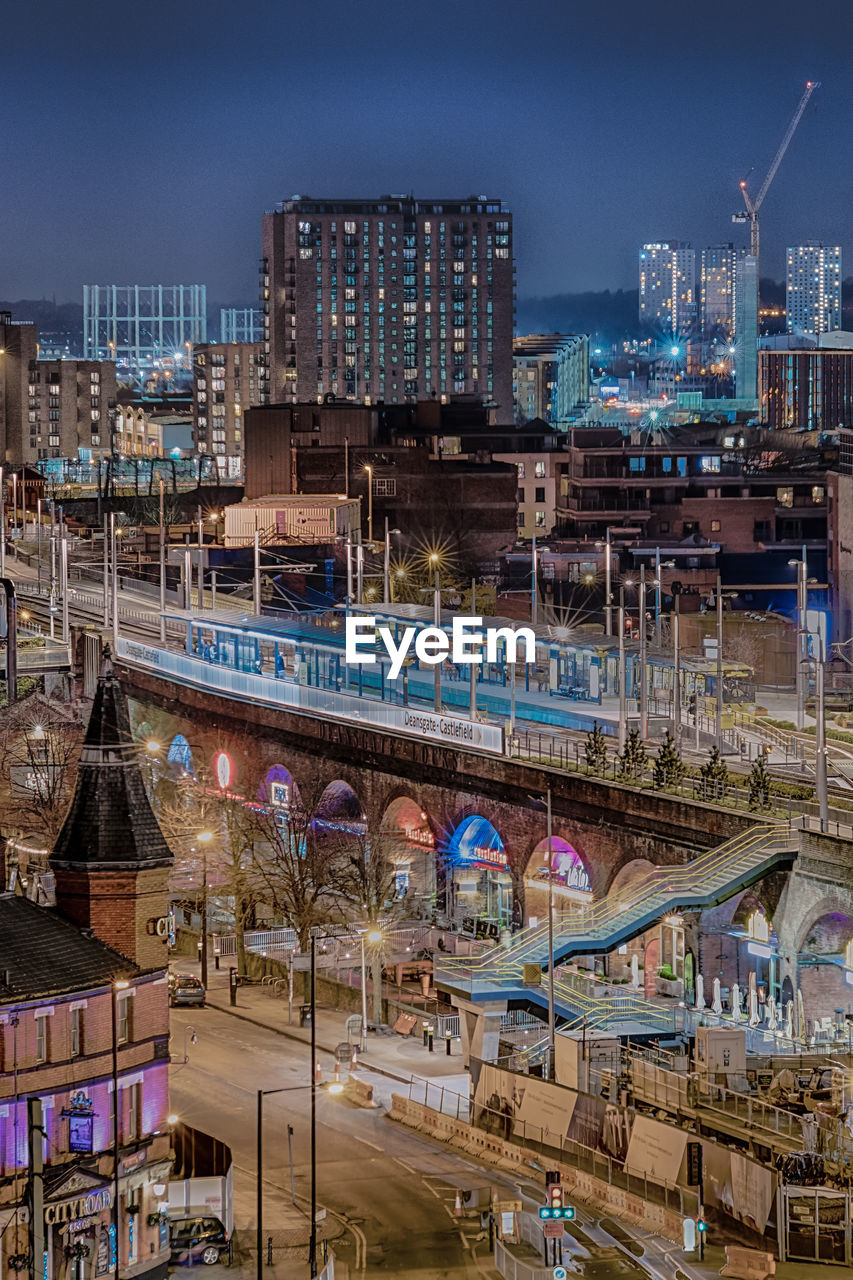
569 869
409 842
339 811
479 884
278 790
180 756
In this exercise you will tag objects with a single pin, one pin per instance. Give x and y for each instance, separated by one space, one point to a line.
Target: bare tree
39 751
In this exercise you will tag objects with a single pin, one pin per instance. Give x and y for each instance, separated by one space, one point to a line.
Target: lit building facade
717 291
746 328
550 377
228 377
667 282
392 299
813 289
806 389
140 325
71 407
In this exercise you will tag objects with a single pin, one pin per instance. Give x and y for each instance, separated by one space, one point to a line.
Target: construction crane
753 206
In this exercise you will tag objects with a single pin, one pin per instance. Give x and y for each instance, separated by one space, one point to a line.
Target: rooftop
43 954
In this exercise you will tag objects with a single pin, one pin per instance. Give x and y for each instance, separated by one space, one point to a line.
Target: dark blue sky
141 143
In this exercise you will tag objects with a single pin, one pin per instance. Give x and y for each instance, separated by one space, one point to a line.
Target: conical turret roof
110 824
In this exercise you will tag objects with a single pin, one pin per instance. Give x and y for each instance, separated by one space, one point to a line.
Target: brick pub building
84 1006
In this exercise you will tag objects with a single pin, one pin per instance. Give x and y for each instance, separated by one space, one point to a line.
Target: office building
390 299
668 286
241 324
228 377
746 328
813 292
807 388
717 291
139 326
550 377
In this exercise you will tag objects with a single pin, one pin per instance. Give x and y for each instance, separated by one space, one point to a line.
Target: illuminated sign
419 835
484 853
573 874
78 1207
223 768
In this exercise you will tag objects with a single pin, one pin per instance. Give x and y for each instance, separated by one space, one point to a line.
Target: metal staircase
708 880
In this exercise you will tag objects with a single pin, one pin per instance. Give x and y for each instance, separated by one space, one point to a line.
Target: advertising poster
752 1192
656 1150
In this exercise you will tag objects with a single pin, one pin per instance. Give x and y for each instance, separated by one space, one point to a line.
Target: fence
513 1268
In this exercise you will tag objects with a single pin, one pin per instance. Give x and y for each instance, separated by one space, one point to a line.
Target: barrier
748 1264
363 1092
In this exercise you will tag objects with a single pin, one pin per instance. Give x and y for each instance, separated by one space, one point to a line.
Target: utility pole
623 699
552 1021
256 576
35 1185
11 640
644 682
676 672
719 664
114 552
162 532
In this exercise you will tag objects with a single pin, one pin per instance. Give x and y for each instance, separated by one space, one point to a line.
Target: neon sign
224 769
485 853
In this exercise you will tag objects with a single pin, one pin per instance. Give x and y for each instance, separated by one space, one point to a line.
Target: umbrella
772 1021
754 1016
635 972
735 1002
717 1002
789 1020
801 1017
700 992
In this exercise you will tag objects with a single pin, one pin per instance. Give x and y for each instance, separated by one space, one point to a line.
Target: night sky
141 143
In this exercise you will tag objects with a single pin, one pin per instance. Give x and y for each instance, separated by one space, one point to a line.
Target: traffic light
701 1226
555 1208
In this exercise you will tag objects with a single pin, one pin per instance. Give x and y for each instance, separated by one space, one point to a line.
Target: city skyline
149 177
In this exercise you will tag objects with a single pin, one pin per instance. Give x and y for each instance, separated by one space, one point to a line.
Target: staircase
708 880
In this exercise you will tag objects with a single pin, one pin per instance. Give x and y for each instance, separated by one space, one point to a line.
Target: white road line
374 1145
407 1167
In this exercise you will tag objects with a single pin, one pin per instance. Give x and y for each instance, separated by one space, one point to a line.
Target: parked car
186 989
197 1240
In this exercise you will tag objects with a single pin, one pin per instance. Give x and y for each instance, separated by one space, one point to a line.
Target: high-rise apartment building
668 286
550 377
391 299
241 324
139 325
19 341
746 328
717 291
228 377
813 294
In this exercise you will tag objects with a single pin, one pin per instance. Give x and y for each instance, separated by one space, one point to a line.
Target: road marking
374 1145
407 1167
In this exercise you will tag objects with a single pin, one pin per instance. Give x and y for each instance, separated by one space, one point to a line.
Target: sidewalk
398 1058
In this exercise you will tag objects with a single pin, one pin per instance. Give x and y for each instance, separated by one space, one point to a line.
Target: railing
601 926
512 1268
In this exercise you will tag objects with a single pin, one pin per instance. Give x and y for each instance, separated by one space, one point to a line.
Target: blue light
675 351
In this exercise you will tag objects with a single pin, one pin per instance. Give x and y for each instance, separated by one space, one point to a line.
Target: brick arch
830 905
631 869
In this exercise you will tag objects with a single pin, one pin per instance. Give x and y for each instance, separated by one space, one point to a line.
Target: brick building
389 299
227 378
807 388
84 1019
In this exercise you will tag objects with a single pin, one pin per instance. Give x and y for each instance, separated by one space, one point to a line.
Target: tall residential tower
668 285
813 295
389 299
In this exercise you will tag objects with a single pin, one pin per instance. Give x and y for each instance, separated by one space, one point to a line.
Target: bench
748 1264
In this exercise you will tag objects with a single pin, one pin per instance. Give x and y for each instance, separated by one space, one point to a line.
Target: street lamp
552 1032
374 936
608 554
119 984
386 568
204 838
434 560
802 605
368 466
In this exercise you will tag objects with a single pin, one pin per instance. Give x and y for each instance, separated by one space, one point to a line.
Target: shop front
481 898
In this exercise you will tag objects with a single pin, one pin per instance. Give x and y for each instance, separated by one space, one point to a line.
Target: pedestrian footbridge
514 971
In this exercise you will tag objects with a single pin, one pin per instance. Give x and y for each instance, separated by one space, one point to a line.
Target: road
393 1190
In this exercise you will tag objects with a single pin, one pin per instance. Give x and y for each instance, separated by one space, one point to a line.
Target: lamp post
2 525
162 533
200 519
644 682
256 575
537 804
386 567
118 985
436 618
368 466
63 578
374 937
534 610
114 553
676 671
802 605
608 559
623 703
204 838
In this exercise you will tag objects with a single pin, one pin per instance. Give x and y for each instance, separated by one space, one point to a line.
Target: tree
759 785
368 884
668 767
595 750
632 760
39 750
295 867
715 776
